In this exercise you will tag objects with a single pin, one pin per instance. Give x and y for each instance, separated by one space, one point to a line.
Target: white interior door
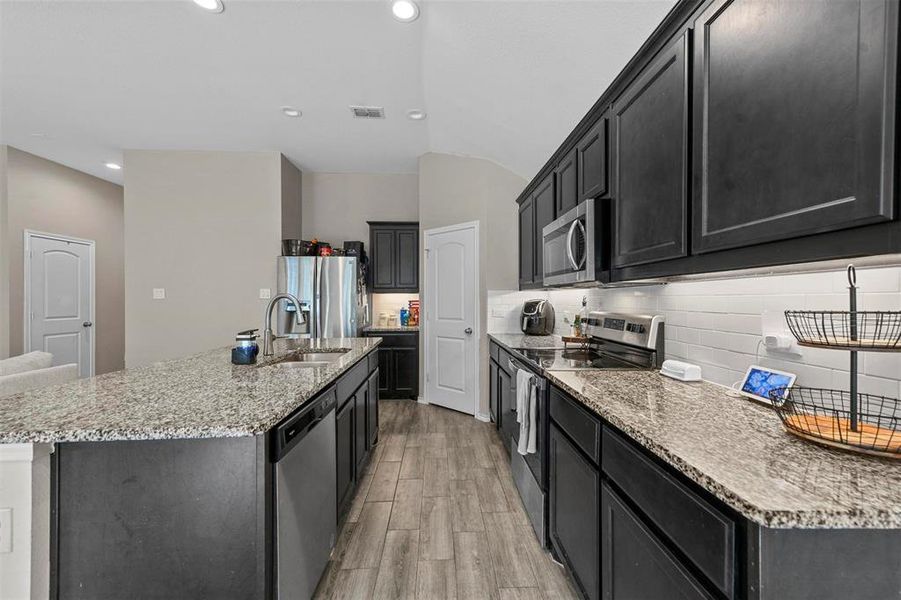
59 297
451 311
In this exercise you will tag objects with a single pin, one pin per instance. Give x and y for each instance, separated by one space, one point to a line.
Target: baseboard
422 400
485 418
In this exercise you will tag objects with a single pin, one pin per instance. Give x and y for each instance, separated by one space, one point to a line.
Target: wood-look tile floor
437 515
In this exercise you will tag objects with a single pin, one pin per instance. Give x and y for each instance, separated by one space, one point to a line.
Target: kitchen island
163 477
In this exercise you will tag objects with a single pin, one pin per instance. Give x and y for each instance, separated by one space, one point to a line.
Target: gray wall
4 259
49 197
336 206
457 189
206 226
292 197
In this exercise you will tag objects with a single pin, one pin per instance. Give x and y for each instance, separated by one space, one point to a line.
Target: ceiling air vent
368 112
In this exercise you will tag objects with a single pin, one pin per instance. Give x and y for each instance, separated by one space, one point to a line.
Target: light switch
6 530
265 293
159 293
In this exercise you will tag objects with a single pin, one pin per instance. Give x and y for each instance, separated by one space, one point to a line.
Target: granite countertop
200 396
391 328
738 450
521 340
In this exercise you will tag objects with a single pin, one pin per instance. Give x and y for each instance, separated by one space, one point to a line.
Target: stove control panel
645 331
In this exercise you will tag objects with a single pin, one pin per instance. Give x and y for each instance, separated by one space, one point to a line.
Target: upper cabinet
744 134
394 256
793 119
650 149
535 212
591 161
527 243
567 192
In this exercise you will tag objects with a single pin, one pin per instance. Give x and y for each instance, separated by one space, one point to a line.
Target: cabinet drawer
493 350
703 533
351 381
634 563
397 340
583 427
373 360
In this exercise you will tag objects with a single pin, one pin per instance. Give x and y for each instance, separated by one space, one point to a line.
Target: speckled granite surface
738 450
391 328
199 396
520 340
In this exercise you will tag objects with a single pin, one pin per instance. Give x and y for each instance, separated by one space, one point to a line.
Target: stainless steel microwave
570 246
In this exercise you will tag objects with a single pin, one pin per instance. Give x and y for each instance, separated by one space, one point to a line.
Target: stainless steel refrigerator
332 293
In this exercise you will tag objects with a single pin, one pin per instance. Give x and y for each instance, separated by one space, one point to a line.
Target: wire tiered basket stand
849 420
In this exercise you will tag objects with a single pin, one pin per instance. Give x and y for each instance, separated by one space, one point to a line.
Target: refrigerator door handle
317 295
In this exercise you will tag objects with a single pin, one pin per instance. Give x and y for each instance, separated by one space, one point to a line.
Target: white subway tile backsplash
718 323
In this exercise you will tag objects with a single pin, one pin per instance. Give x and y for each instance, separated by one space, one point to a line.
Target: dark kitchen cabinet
637 565
344 451
394 256
527 243
493 390
536 212
793 119
372 409
650 150
544 214
398 372
591 161
506 404
361 439
567 183
574 488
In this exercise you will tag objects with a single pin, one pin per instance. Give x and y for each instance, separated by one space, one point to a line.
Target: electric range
616 341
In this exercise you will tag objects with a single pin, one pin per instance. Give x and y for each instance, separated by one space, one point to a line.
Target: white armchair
31 371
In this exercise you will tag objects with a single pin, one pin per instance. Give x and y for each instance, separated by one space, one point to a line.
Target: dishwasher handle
294 428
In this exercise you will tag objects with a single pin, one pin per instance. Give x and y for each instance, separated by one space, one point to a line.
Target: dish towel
526 398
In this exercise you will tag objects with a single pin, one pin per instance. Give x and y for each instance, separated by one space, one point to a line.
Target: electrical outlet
159 293
6 530
265 293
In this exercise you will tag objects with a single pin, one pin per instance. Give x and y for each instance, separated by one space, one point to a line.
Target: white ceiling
81 81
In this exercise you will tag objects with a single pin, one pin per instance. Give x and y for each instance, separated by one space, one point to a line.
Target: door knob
87 324
468 331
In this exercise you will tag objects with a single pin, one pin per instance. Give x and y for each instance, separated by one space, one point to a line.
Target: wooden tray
836 432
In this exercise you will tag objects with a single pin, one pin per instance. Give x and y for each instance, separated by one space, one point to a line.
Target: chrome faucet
267 322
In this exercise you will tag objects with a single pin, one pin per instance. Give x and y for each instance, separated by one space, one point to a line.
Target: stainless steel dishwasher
305 497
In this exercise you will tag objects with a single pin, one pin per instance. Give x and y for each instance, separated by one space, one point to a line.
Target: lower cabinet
356 426
636 564
344 440
398 364
361 439
574 488
372 409
492 391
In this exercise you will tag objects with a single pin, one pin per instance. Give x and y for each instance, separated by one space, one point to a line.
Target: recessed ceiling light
214 6
415 114
113 166
290 111
404 10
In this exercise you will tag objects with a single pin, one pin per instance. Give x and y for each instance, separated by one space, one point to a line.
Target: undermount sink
309 360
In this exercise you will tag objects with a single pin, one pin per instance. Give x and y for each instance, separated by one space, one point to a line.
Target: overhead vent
368 112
